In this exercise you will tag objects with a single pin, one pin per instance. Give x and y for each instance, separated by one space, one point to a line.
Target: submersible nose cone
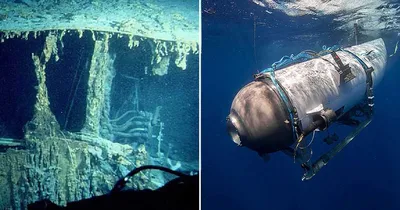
258 119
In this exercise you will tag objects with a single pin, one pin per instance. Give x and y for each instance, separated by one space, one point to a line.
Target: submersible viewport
306 93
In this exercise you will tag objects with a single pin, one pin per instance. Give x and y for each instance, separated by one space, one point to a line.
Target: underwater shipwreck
90 90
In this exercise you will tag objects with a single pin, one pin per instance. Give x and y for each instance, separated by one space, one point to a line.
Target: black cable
122 182
74 88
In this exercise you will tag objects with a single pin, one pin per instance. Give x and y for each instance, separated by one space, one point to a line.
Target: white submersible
308 93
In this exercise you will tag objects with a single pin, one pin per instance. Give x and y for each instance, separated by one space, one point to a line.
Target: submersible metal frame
322 117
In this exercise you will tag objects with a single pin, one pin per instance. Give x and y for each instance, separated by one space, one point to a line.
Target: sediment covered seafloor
85 101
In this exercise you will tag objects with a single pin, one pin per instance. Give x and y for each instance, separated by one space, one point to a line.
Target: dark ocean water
364 176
